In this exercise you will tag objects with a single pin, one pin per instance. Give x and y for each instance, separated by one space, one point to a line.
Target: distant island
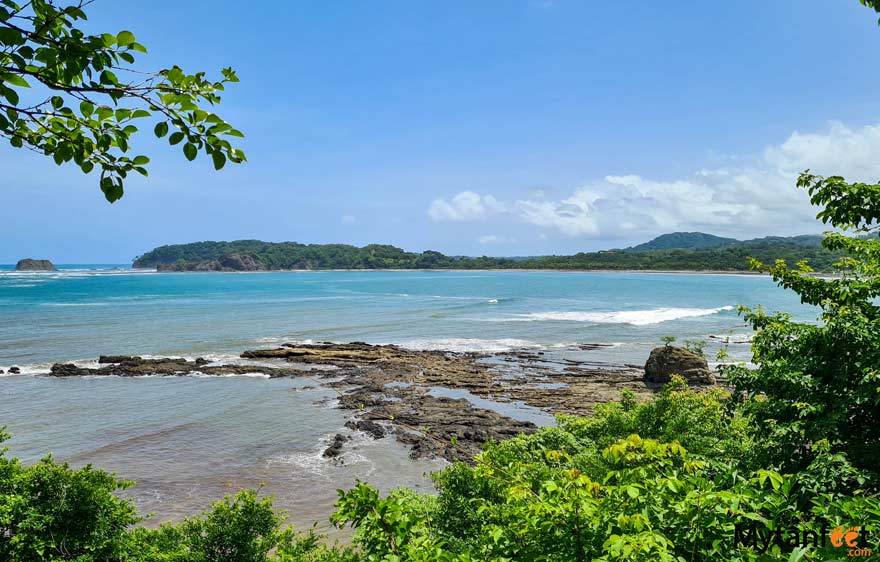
678 251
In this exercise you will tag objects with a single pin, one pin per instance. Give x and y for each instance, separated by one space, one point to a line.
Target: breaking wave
632 317
465 345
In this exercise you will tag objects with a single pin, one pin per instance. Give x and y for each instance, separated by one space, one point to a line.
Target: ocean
188 440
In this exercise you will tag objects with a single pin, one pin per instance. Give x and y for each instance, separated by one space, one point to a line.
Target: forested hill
254 255
684 241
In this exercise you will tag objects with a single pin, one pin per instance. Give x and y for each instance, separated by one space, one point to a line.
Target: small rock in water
335 448
14 371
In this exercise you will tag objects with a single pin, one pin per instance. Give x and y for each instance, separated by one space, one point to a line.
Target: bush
50 512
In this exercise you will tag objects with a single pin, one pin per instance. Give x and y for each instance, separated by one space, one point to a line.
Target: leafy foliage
873 4
51 512
822 381
86 99
635 499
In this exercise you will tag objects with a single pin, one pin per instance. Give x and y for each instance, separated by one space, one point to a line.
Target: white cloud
494 239
752 196
466 206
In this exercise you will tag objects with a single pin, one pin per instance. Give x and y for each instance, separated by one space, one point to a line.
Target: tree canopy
258 255
80 98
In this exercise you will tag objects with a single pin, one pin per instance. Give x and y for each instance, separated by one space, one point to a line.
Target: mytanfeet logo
850 537
852 541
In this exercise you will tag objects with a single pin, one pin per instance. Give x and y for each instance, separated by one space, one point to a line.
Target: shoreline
511 270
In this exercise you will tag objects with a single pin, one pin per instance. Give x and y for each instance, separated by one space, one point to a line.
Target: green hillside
684 241
255 255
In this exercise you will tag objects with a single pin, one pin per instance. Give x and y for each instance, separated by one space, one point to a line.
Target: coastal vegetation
782 466
79 97
691 251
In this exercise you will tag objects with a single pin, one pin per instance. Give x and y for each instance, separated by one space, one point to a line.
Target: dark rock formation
104 359
14 371
371 428
671 360
396 391
239 262
30 264
128 366
228 262
335 448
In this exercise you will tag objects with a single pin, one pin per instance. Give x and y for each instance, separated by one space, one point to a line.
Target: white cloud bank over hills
752 197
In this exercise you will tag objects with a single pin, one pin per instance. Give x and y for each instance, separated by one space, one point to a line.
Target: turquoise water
187 441
80 313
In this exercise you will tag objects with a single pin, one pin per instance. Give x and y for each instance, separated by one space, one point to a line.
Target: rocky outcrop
228 262
671 360
393 390
428 400
104 359
371 428
30 264
239 262
335 448
127 366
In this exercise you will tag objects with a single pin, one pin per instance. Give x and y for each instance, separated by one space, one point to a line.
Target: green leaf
219 160
140 160
175 138
11 37
10 94
161 129
125 38
108 78
112 192
86 108
190 151
16 80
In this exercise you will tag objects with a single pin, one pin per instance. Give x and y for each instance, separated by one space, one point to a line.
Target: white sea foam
633 317
283 339
464 345
69 304
732 338
201 375
312 462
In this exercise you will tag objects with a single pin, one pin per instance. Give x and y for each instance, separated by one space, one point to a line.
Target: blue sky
495 127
